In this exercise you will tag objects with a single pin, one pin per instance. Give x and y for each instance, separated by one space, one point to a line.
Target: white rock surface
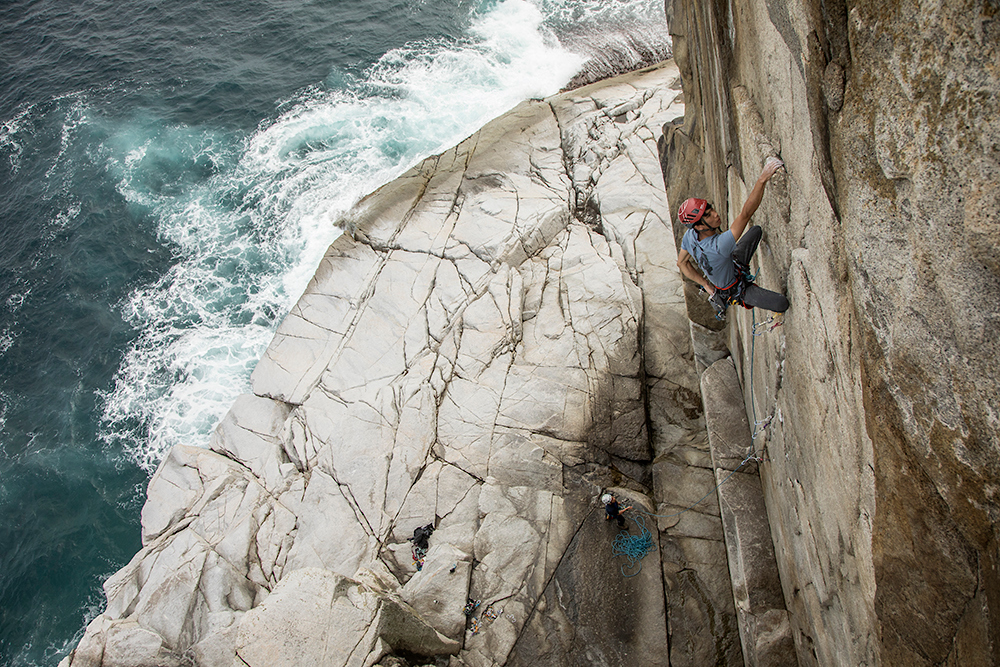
470 353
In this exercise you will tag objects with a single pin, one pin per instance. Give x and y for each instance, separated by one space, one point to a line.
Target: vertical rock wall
880 390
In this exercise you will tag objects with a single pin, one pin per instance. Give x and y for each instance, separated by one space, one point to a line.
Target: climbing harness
732 294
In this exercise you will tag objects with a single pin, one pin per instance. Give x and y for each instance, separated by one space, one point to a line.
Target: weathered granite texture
765 632
478 351
883 445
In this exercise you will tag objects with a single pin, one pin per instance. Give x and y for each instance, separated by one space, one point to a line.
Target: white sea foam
6 341
9 139
76 116
250 237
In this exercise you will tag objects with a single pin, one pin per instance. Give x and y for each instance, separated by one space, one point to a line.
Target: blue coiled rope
633 547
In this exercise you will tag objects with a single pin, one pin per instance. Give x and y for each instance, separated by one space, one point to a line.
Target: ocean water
170 175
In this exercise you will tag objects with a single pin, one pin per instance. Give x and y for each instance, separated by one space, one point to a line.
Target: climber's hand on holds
771 165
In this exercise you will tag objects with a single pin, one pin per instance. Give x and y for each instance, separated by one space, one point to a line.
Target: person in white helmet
612 510
724 256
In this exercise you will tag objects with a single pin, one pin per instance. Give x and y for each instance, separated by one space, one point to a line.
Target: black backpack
421 535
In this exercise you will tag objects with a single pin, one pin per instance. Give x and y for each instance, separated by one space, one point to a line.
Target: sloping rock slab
468 355
765 632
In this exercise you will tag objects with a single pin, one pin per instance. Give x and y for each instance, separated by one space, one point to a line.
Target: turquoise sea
170 175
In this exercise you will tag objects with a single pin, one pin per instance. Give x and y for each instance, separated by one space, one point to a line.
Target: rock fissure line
370 283
348 494
555 569
496 416
458 467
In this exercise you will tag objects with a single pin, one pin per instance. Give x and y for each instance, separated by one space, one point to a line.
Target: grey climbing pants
754 296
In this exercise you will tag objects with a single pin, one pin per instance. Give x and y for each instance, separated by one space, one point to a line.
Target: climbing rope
748 459
757 329
633 547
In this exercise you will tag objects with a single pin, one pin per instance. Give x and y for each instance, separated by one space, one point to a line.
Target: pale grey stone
438 592
172 491
725 416
251 433
328 534
130 645
313 616
467 355
764 630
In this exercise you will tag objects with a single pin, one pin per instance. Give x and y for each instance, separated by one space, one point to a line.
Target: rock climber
724 256
612 510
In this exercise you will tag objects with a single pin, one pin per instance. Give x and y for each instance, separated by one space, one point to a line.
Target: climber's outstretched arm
756 195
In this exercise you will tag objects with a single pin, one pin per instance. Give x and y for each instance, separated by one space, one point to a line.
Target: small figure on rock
420 539
612 510
724 256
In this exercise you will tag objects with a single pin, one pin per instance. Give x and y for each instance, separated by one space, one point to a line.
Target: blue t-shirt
714 255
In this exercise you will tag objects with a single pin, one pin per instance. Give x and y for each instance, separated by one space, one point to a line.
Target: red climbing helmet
691 211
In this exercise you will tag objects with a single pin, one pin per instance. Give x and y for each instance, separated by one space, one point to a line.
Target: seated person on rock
724 256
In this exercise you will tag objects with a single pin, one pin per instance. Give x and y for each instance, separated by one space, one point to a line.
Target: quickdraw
761 328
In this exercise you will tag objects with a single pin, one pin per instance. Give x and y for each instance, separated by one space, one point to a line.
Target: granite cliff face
883 452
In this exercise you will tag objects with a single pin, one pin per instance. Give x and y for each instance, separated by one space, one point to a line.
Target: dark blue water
170 174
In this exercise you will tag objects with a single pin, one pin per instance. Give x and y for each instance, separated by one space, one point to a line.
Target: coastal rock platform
498 337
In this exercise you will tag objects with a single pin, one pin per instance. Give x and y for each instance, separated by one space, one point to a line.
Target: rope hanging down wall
635 547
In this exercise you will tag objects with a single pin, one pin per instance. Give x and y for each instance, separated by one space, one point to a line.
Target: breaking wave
248 237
